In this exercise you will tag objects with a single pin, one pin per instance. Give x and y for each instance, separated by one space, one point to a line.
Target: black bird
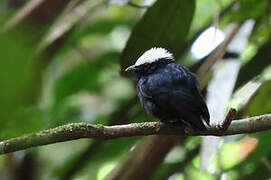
168 90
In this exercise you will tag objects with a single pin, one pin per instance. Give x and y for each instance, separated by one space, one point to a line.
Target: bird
169 91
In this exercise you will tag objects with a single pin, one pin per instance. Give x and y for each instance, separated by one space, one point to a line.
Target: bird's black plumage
169 92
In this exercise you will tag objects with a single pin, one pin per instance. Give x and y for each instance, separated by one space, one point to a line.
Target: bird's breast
143 87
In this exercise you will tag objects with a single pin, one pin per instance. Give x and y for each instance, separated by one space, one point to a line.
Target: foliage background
63 62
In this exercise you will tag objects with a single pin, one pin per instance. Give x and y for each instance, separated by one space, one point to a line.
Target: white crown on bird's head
153 55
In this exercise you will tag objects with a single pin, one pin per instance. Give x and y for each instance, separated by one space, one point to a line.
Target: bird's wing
192 90
179 99
179 94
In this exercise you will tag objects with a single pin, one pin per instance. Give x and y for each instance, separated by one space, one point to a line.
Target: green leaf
261 31
253 160
247 9
24 121
165 24
82 77
259 103
65 107
102 27
67 21
256 65
18 85
101 153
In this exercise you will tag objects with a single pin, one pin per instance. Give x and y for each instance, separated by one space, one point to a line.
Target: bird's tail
197 123
205 113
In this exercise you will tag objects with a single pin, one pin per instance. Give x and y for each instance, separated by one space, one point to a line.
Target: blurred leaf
25 120
165 24
192 172
66 106
248 165
103 27
67 21
259 104
261 170
118 2
17 82
104 151
168 169
22 13
256 65
246 9
82 77
230 155
88 79
14 68
261 31
108 59
117 147
125 112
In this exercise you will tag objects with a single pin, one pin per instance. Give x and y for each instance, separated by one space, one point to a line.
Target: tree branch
83 130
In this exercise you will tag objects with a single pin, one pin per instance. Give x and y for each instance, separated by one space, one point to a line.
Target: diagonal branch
217 54
22 14
83 130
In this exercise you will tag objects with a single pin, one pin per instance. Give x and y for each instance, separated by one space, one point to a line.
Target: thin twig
83 130
229 117
23 13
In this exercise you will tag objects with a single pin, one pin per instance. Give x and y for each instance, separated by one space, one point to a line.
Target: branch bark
83 130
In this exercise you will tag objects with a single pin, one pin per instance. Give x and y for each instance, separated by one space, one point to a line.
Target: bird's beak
130 68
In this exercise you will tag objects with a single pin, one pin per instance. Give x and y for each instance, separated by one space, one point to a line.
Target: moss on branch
84 130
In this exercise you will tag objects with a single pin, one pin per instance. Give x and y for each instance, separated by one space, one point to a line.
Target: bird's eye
147 65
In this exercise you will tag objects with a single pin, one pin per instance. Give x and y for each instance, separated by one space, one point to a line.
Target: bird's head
151 60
